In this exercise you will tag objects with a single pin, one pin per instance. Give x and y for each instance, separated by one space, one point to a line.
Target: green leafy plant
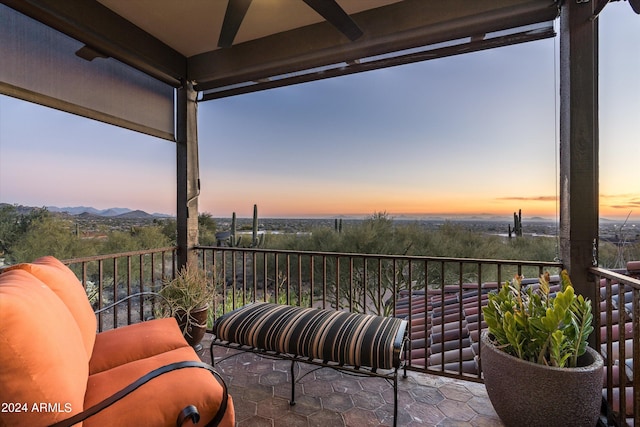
535 325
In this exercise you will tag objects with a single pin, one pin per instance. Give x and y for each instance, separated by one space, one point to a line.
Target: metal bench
360 344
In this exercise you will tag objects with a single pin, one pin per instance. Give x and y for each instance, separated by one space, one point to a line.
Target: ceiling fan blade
236 10
89 54
332 12
635 5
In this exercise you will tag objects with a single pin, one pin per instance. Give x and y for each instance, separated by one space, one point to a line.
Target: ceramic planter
529 394
196 326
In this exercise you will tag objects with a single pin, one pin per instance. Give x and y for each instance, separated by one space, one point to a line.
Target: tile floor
261 389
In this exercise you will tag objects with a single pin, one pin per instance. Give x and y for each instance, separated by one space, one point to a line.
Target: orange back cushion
64 283
42 357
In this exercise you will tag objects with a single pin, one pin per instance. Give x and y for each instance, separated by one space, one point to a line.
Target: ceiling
282 42
263 18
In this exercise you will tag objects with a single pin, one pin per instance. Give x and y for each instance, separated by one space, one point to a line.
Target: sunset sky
471 134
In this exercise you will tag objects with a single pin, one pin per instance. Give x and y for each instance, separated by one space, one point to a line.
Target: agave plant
538 326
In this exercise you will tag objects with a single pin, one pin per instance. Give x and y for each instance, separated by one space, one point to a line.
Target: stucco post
579 142
187 170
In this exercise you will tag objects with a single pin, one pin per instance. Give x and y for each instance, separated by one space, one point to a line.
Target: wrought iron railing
442 298
109 278
618 320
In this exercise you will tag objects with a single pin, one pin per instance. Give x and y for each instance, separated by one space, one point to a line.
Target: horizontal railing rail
441 298
109 278
618 320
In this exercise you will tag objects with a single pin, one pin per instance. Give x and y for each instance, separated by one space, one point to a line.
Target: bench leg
406 354
293 385
395 399
213 360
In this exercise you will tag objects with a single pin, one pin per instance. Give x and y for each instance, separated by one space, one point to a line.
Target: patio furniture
56 370
360 344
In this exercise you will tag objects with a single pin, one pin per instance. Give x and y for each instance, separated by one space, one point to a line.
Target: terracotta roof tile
445 325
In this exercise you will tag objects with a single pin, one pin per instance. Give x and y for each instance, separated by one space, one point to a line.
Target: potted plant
537 366
187 298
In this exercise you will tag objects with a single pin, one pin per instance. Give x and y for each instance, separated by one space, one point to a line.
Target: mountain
161 215
137 214
87 215
123 213
77 210
73 211
114 211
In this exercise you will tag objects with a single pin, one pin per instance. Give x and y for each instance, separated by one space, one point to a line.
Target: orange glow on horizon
362 205
359 205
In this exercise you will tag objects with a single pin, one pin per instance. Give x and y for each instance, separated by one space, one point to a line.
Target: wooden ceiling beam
384 62
398 26
395 27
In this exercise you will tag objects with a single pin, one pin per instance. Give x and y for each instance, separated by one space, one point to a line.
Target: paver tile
339 402
261 389
358 417
255 421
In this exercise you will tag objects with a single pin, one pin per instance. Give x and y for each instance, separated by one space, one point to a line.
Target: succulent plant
190 290
536 325
256 240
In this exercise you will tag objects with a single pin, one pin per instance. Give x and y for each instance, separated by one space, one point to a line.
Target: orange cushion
116 347
42 355
158 402
66 285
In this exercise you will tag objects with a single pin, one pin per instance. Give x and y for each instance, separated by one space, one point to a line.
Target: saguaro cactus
233 242
517 224
257 240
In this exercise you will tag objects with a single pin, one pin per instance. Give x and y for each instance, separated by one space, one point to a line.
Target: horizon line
362 215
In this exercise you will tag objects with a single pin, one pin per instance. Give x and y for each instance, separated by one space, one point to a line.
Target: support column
187 171
579 141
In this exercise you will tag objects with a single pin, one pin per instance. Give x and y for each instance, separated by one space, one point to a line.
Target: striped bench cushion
327 335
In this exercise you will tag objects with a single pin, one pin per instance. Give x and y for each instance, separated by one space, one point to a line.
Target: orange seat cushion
68 288
42 354
138 341
158 402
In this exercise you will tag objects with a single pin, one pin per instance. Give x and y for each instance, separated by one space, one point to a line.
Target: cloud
622 201
629 205
632 196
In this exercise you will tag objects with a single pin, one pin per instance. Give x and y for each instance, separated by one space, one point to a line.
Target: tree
13 225
8 227
139 238
206 229
46 235
169 229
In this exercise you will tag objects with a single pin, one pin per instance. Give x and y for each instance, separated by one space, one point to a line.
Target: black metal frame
127 298
190 412
391 377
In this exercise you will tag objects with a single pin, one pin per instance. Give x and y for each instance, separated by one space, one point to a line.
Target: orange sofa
54 366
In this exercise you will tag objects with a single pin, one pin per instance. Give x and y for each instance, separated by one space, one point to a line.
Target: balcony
440 297
422 289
